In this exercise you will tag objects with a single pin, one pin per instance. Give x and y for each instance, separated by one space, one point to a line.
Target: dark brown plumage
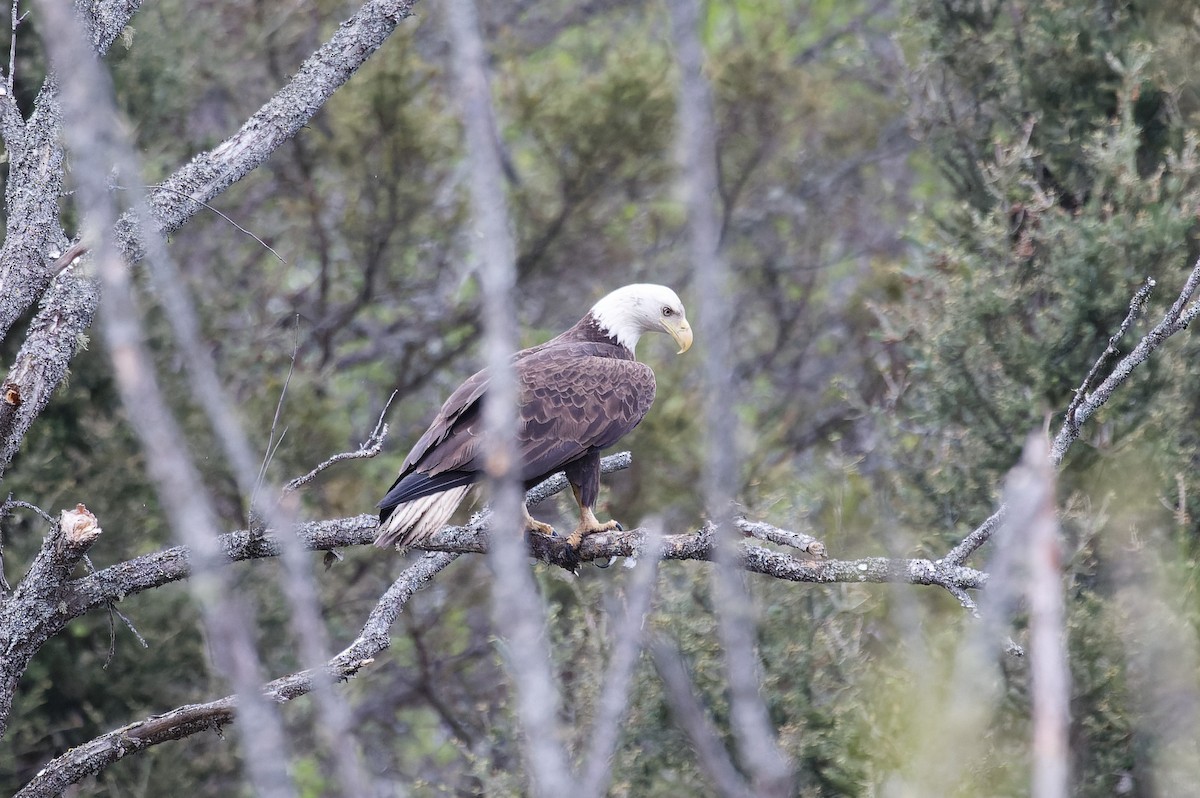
578 394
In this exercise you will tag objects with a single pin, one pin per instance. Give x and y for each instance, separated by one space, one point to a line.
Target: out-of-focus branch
97 754
615 690
758 748
97 145
518 614
332 720
711 755
1031 484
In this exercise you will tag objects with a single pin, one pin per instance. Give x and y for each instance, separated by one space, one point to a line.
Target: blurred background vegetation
937 213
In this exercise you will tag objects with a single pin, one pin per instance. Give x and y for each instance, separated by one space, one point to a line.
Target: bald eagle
578 394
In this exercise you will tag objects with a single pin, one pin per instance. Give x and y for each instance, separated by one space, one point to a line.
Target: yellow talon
588 525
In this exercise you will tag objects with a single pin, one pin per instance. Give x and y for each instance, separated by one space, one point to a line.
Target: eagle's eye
668 312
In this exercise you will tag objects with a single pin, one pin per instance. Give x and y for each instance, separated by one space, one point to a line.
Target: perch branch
170 565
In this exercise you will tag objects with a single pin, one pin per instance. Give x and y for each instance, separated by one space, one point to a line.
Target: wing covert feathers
413 522
579 394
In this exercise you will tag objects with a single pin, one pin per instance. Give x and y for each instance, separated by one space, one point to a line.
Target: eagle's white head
632 310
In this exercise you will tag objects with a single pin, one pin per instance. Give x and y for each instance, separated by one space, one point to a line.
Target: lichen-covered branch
170 565
35 611
34 235
1182 313
210 173
95 755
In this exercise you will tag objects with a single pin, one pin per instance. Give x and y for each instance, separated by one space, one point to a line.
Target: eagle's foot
534 525
590 526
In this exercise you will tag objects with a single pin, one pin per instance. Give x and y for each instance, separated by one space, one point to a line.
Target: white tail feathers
413 522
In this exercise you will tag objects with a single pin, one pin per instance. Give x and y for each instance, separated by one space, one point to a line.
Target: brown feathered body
578 394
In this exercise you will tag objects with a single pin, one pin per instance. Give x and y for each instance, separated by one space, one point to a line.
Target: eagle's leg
534 525
588 523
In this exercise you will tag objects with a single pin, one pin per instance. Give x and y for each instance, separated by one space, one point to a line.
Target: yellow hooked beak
681 331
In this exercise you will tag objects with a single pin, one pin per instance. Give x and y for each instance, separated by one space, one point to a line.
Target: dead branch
32 613
773 534
170 565
372 446
1136 306
69 303
95 755
1181 313
97 145
1084 404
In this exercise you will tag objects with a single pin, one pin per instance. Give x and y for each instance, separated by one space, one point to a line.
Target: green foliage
1072 208
1065 132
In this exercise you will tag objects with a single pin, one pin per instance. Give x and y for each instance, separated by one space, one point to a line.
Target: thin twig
272 444
203 204
64 262
112 626
372 446
17 18
10 502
